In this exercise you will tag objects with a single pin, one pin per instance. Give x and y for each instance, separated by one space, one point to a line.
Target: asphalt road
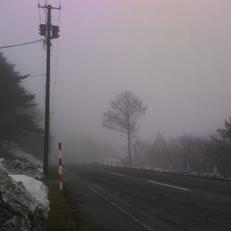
114 199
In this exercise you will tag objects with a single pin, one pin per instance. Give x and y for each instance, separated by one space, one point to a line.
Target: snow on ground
23 172
35 187
21 154
2 163
19 210
21 167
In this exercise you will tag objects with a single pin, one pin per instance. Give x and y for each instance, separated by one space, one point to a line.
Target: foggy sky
174 54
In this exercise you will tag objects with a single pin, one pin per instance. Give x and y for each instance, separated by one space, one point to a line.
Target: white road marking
167 185
114 173
122 210
118 174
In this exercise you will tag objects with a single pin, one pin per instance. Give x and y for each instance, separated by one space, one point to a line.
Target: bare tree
123 116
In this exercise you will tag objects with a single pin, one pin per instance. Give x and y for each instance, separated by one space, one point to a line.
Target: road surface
114 199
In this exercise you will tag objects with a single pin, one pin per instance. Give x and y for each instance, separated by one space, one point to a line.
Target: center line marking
118 174
100 193
168 185
114 173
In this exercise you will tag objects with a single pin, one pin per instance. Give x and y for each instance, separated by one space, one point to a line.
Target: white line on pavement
118 174
114 173
167 185
122 210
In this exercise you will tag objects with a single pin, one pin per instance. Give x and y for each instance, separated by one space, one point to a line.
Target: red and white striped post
61 178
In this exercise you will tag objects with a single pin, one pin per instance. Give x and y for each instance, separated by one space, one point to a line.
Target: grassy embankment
60 217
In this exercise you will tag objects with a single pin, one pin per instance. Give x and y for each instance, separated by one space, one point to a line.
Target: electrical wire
57 54
42 46
22 44
39 75
56 67
40 20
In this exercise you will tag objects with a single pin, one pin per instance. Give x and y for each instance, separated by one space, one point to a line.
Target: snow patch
24 203
35 187
21 154
22 167
19 209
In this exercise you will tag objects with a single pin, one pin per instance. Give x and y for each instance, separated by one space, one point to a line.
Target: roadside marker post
60 160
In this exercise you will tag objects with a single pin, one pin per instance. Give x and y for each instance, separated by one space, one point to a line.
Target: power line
42 46
40 19
57 57
38 75
56 73
22 44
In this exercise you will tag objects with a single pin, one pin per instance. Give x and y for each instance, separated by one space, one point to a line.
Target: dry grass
60 217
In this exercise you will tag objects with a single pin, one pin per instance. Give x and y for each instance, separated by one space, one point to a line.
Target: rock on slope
19 210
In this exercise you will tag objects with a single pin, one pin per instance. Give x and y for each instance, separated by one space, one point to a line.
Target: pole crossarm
46 6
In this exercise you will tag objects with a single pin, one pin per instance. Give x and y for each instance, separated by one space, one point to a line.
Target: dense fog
174 55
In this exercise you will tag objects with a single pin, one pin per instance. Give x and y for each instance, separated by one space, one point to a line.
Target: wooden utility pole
50 32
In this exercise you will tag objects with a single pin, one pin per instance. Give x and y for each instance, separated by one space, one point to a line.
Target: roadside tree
15 120
123 116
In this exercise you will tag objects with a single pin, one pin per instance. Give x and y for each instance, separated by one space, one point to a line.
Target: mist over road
114 198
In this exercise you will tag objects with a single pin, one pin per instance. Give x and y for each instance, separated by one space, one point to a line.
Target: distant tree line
188 152
17 117
183 153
